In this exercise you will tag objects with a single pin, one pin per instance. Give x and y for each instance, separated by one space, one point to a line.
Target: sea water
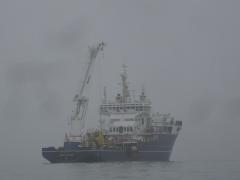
176 170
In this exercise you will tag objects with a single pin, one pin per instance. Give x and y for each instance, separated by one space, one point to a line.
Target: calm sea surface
189 170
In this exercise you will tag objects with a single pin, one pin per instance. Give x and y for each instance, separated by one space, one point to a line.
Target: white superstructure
124 116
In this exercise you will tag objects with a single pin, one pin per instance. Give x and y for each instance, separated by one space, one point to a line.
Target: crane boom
93 55
81 100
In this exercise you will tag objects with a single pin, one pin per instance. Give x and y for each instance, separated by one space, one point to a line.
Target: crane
80 99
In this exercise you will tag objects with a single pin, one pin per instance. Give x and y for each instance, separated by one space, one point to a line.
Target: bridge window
114 120
129 119
131 129
178 129
170 129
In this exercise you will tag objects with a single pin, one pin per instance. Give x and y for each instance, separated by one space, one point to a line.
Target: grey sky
185 52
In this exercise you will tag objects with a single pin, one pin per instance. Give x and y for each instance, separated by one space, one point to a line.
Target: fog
185 53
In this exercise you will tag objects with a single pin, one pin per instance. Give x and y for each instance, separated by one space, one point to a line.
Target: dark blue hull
159 150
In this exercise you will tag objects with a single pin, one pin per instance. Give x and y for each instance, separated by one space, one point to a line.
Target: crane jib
82 101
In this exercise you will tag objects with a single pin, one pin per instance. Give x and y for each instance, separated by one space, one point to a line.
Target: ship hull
159 150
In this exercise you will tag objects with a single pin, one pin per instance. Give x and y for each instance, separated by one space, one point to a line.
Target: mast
125 91
81 100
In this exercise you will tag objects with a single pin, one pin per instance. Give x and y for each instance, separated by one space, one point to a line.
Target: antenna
143 94
105 94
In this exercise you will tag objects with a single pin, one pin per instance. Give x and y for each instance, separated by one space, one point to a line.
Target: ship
128 128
